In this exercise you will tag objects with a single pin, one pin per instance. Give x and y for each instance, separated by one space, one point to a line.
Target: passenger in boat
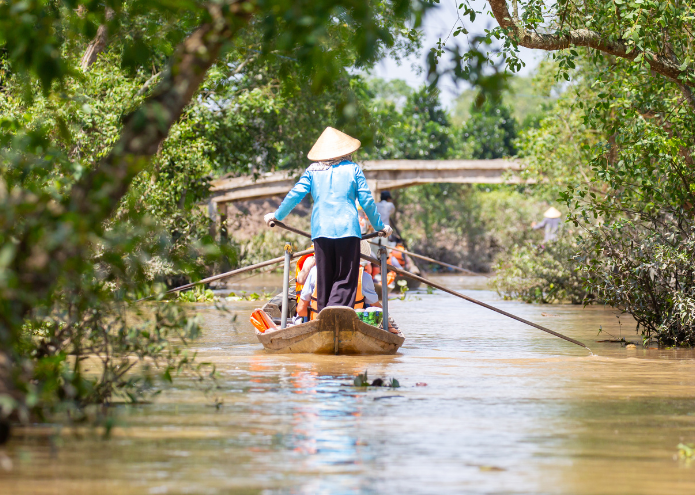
375 270
304 266
396 258
336 183
399 258
366 297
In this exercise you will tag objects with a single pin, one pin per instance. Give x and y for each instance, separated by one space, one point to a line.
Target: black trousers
338 269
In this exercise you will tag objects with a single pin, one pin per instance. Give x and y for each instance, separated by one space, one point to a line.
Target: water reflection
506 409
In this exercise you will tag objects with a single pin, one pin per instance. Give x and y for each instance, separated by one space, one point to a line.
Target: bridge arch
381 175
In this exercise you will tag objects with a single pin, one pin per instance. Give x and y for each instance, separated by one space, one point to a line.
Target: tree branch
148 83
98 44
98 194
591 39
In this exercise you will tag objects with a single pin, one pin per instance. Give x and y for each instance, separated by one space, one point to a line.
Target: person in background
336 183
385 207
551 223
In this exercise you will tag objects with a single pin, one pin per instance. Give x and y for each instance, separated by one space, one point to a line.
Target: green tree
491 129
421 130
631 194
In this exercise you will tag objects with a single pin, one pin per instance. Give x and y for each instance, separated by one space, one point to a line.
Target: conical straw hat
552 213
332 144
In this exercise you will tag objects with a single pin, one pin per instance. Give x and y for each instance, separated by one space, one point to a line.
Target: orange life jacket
300 265
262 321
314 304
390 278
400 257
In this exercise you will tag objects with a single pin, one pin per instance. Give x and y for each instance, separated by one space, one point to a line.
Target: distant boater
335 182
551 224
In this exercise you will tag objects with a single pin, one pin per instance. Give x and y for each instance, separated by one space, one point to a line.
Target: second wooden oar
457 294
415 255
475 301
274 261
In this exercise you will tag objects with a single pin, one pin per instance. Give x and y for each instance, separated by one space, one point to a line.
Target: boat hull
336 330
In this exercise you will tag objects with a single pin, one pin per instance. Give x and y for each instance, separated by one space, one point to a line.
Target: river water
506 409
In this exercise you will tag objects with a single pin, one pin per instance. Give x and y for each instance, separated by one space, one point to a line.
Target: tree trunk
664 65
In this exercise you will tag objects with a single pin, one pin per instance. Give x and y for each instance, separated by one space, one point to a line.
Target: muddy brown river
506 409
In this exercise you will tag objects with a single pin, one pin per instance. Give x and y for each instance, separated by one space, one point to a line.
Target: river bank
506 409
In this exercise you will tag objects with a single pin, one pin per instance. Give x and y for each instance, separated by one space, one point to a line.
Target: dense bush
617 148
636 214
541 273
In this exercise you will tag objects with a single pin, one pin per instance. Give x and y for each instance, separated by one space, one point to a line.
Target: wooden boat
336 330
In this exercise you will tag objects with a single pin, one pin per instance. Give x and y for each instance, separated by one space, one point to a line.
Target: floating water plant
197 295
362 380
243 296
686 450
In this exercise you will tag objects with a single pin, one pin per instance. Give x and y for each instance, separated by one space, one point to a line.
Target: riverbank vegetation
619 149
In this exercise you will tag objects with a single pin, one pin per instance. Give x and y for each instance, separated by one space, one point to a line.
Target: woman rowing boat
335 183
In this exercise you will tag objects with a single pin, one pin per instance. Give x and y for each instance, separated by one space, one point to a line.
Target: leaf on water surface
361 380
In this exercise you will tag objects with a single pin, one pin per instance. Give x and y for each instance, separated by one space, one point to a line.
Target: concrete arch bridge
381 175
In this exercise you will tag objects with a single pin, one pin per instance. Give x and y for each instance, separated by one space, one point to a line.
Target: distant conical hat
552 213
332 144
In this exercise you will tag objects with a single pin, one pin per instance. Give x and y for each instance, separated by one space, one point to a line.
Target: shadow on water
506 409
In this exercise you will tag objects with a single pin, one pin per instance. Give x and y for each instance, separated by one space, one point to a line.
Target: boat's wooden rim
331 312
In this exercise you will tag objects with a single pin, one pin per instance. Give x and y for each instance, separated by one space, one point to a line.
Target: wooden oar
415 255
274 261
457 294
474 301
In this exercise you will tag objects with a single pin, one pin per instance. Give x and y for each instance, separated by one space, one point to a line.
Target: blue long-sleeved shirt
334 191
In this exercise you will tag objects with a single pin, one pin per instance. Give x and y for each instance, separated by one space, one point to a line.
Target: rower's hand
269 217
386 231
